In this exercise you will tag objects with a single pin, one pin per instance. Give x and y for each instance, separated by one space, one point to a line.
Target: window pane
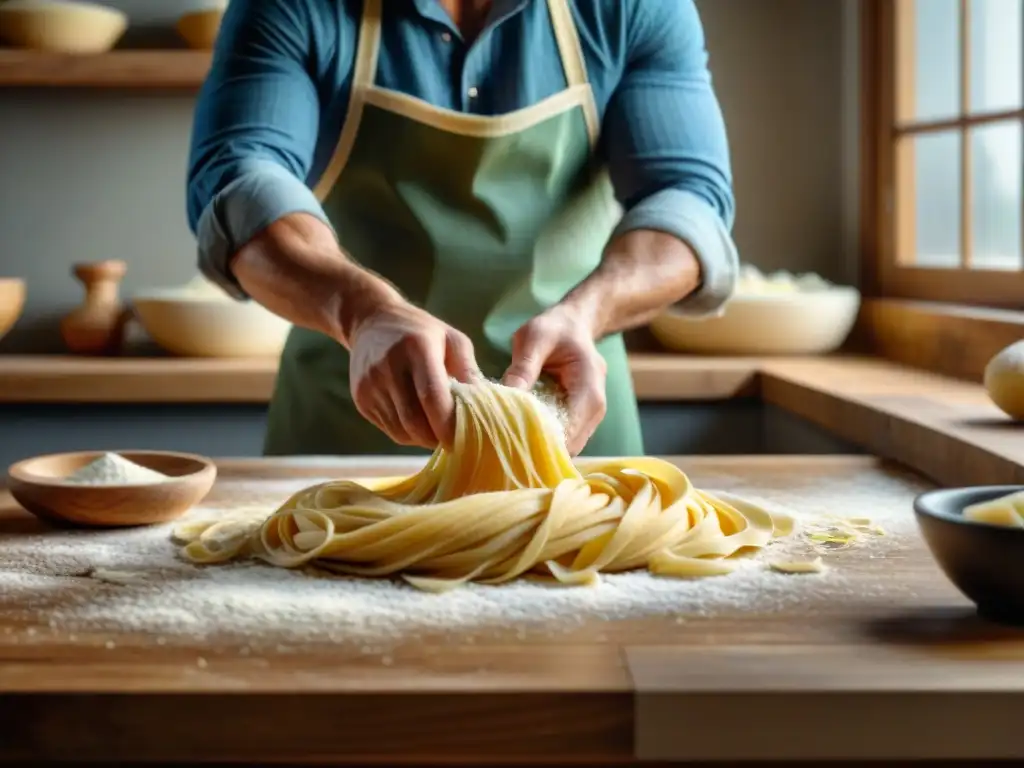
996 59
996 195
936 42
937 199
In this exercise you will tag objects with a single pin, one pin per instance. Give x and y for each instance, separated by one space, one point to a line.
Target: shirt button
446 37
473 92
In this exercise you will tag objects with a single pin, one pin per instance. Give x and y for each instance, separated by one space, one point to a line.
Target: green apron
482 221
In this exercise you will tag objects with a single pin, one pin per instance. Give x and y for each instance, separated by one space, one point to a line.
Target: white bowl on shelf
199 320
809 322
58 26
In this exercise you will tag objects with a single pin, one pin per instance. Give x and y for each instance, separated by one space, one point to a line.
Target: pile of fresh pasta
505 501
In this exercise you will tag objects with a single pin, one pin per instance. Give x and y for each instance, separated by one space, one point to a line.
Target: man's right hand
402 359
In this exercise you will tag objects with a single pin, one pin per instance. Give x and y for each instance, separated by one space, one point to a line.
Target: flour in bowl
113 469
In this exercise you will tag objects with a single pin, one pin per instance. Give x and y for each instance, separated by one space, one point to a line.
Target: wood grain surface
170 69
802 703
948 339
946 429
65 378
69 379
569 695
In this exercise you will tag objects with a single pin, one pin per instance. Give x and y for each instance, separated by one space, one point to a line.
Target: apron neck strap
368 47
569 45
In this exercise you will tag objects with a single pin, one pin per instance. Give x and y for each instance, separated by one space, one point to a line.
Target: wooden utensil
97 326
12 302
199 29
983 561
39 485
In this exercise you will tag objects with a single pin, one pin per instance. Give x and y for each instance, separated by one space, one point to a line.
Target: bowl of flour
774 314
111 489
200 320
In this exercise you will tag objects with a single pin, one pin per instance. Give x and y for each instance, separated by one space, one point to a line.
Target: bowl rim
210 9
90 6
837 293
17 471
832 291
922 506
176 296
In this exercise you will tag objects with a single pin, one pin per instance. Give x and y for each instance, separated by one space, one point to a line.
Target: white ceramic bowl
61 27
792 323
199 326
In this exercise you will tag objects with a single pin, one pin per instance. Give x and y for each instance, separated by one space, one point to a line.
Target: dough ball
1004 380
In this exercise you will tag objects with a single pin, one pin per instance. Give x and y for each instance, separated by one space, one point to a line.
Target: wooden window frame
887 165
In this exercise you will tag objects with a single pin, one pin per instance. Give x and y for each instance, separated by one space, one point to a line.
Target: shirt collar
500 10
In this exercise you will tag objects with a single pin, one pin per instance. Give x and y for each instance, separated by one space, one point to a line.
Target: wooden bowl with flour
116 489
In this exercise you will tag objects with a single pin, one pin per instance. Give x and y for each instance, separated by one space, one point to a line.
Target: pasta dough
505 501
798 566
1006 511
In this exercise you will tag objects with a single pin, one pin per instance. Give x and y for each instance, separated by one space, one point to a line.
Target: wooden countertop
944 428
879 658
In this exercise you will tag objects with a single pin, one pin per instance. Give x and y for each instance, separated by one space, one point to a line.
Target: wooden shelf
71 379
170 69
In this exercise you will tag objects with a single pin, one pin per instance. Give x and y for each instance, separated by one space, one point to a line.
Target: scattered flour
113 469
132 580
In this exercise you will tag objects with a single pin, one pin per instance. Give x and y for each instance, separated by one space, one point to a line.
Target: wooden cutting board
606 683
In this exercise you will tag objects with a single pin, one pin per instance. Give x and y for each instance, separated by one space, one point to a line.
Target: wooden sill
170 69
948 339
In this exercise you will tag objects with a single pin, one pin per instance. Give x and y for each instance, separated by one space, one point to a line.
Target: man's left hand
560 343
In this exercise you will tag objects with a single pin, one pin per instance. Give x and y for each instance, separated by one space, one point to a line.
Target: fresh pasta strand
504 501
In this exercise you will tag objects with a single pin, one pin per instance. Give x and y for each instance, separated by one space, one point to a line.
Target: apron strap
368 48
363 75
573 62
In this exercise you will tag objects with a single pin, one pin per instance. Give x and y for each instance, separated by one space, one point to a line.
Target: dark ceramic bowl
985 562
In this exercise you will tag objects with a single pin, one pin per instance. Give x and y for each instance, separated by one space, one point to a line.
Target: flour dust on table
107 584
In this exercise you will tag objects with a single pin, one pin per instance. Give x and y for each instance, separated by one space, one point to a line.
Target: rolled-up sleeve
254 133
665 140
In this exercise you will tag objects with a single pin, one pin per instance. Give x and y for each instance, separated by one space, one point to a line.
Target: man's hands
560 342
402 357
641 272
401 362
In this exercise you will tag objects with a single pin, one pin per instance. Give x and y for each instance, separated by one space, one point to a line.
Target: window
945 150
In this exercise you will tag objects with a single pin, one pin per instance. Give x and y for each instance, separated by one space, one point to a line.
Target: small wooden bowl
199 29
12 302
38 485
61 27
983 561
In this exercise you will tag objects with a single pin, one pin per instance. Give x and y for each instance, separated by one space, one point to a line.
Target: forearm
296 269
642 272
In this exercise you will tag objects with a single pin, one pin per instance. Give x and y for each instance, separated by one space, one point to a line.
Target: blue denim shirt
271 110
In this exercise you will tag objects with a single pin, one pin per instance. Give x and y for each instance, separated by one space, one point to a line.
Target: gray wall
89 175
